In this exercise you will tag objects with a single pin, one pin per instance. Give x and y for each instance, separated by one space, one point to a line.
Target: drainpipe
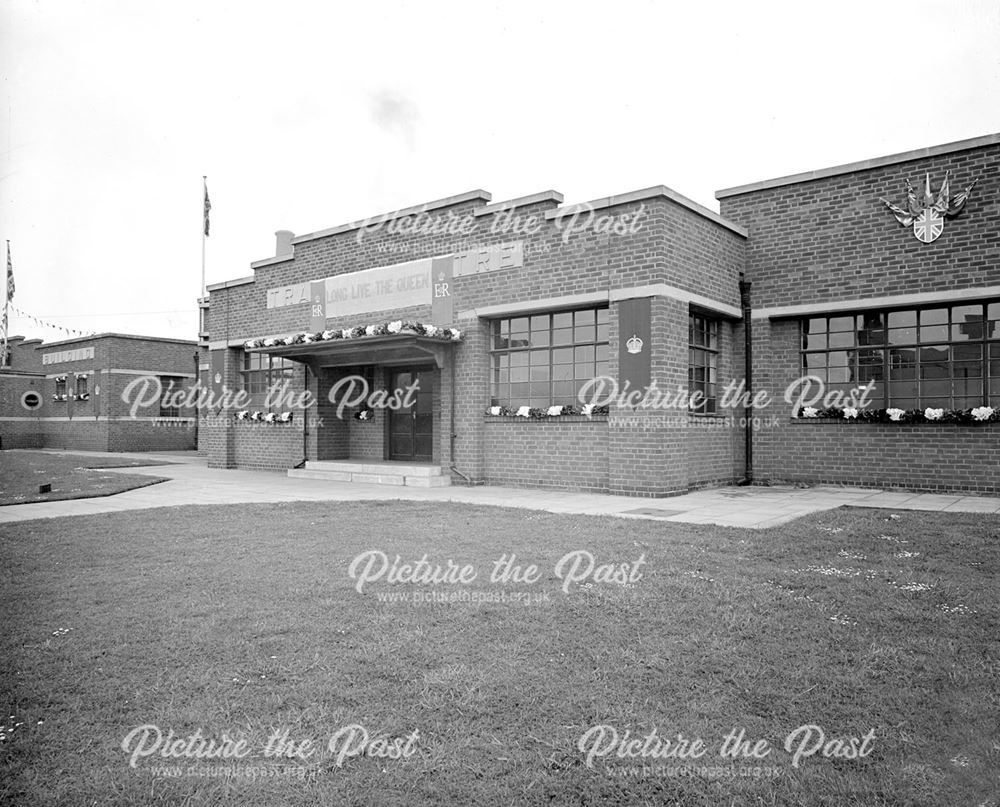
452 434
748 374
305 423
197 409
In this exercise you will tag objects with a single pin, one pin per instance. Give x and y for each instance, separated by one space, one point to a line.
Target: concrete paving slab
190 481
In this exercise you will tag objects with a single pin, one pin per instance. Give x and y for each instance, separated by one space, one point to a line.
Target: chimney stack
283 245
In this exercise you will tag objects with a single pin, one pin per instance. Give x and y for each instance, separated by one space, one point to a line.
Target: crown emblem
927 215
634 345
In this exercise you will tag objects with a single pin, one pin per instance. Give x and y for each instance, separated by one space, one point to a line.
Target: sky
306 115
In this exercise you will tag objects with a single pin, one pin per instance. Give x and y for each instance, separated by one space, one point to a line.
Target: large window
944 357
261 372
169 385
544 359
703 362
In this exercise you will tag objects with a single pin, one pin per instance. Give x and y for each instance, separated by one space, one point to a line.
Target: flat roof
43 345
437 204
863 165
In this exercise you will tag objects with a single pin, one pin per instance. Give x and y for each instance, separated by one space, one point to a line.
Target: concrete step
356 467
376 473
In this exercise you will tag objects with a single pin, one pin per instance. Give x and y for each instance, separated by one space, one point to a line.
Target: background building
71 394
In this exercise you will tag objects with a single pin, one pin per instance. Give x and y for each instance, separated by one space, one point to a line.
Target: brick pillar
647 447
219 421
472 398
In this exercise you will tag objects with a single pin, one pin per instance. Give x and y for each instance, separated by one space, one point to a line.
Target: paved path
191 482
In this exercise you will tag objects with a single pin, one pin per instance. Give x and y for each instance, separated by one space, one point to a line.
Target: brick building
499 317
76 394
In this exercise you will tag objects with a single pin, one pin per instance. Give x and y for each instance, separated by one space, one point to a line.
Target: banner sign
401 285
442 307
218 372
80 354
634 343
317 306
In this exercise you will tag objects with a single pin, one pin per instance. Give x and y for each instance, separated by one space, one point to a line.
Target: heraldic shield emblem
927 215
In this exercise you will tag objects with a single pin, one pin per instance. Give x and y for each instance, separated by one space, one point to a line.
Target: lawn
227 625
72 476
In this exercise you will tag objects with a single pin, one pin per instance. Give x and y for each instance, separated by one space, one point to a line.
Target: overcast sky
309 115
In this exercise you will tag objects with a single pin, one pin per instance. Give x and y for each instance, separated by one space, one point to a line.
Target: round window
31 400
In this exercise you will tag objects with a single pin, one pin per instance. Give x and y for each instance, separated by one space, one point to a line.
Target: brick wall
674 246
566 452
103 421
831 239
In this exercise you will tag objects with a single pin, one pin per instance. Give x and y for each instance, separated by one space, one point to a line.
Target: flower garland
359 332
540 413
979 414
264 417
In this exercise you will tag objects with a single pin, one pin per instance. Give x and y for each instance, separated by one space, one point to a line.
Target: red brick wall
564 452
832 239
104 421
921 456
674 246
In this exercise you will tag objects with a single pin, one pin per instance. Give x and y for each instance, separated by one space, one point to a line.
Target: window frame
886 370
711 350
257 382
552 338
168 384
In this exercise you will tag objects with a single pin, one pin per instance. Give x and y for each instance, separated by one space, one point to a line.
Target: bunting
41 323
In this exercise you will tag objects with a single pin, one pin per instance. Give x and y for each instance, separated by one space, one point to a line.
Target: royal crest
634 345
927 215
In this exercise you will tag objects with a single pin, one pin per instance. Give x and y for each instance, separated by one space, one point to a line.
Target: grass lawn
72 476
232 623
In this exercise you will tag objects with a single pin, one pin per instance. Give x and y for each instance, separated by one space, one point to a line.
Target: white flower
587 409
810 412
369 330
554 410
983 412
288 340
933 414
494 410
346 333
285 417
328 334
269 342
270 417
456 334
895 414
524 411
395 326
248 343
850 412
431 329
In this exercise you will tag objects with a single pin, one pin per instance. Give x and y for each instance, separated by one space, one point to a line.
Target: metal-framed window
944 356
703 362
542 360
168 385
261 372
81 386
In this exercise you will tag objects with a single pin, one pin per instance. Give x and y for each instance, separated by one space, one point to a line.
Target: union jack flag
928 225
10 276
208 206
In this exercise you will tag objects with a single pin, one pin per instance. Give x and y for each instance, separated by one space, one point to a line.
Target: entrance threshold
418 475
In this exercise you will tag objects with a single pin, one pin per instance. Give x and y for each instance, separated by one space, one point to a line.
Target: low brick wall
921 456
267 446
565 452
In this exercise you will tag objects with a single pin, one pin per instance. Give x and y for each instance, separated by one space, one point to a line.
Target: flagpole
204 190
6 306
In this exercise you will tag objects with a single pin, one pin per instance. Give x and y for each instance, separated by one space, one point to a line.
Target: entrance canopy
400 348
